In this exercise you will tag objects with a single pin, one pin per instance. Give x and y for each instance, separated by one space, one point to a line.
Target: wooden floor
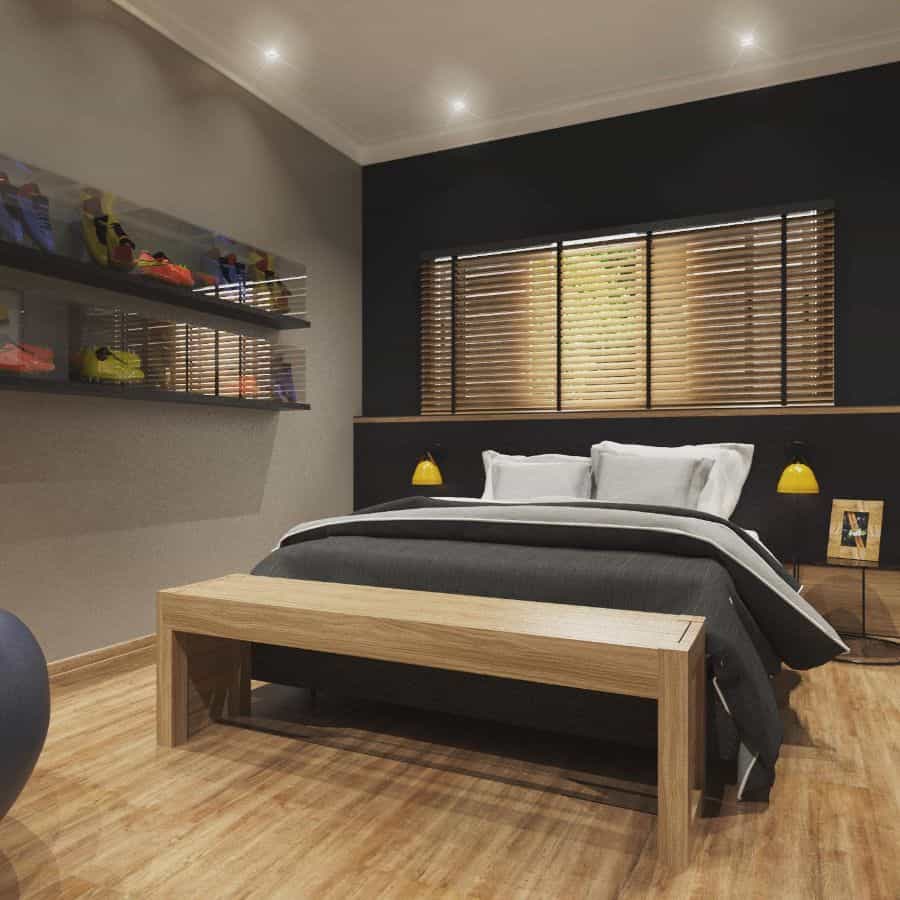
354 800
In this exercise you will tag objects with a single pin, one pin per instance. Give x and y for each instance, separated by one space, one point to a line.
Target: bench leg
676 768
199 679
171 688
699 686
237 679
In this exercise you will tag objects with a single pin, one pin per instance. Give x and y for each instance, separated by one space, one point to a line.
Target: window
733 314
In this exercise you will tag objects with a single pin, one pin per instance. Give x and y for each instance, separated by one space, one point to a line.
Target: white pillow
731 466
513 479
491 457
652 481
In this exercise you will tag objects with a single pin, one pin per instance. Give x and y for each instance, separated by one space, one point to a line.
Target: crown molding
826 60
191 41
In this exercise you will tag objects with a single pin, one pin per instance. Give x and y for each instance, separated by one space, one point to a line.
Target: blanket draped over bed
595 554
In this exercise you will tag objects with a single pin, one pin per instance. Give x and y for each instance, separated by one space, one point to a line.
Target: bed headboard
853 455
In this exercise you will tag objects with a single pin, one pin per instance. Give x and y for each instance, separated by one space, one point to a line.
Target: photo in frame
855 530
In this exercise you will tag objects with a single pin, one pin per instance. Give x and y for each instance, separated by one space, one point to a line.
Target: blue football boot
35 209
12 228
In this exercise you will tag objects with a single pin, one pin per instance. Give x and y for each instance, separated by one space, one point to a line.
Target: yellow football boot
106 240
269 292
93 225
116 366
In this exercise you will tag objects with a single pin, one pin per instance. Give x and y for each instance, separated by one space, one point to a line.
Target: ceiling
378 78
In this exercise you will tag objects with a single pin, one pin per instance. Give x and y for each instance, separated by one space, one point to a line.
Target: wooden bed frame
205 631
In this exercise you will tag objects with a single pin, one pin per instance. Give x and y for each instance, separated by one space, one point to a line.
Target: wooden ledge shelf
135 392
73 271
679 413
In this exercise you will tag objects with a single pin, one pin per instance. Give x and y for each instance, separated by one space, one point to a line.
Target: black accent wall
823 139
853 456
827 138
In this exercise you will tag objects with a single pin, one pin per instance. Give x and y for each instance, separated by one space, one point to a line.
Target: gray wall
105 501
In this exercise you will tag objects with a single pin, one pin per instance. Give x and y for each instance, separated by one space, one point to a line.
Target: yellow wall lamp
797 478
427 472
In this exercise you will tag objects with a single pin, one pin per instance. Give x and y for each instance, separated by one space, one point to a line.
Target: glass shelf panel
92 227
50 344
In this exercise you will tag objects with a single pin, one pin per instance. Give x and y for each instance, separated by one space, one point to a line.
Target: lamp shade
798 478
427 472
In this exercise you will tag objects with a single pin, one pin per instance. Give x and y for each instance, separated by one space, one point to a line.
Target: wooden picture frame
855 529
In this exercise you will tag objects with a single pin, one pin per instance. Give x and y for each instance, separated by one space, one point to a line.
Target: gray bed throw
595 554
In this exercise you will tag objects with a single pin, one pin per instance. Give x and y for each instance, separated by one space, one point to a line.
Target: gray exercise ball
24 706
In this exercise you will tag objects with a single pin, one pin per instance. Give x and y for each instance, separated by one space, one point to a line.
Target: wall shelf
75 304
73 271
135 392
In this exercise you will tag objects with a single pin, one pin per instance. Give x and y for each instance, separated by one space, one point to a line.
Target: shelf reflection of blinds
732 314
286 296
199 360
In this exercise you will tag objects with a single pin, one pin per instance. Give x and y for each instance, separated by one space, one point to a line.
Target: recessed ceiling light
748 40
272 55
458 105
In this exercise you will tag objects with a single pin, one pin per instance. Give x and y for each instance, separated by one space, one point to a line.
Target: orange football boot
26 359
159 266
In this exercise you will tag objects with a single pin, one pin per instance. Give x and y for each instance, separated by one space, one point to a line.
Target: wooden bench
205 631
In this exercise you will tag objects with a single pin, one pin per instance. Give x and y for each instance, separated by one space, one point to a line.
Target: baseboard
121 657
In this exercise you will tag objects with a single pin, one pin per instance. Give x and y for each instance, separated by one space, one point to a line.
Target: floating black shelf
136 392
27 259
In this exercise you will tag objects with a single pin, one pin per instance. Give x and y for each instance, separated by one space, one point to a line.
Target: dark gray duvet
591 554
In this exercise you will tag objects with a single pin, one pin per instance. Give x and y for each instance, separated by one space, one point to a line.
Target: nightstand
862 601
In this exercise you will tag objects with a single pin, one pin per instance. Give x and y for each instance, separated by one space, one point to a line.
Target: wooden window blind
603 316
715 327
809 325
436 339
504 330
737 314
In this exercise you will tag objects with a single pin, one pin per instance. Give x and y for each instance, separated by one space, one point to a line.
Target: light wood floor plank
365 801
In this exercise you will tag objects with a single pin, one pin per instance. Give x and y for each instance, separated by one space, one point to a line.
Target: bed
606 554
